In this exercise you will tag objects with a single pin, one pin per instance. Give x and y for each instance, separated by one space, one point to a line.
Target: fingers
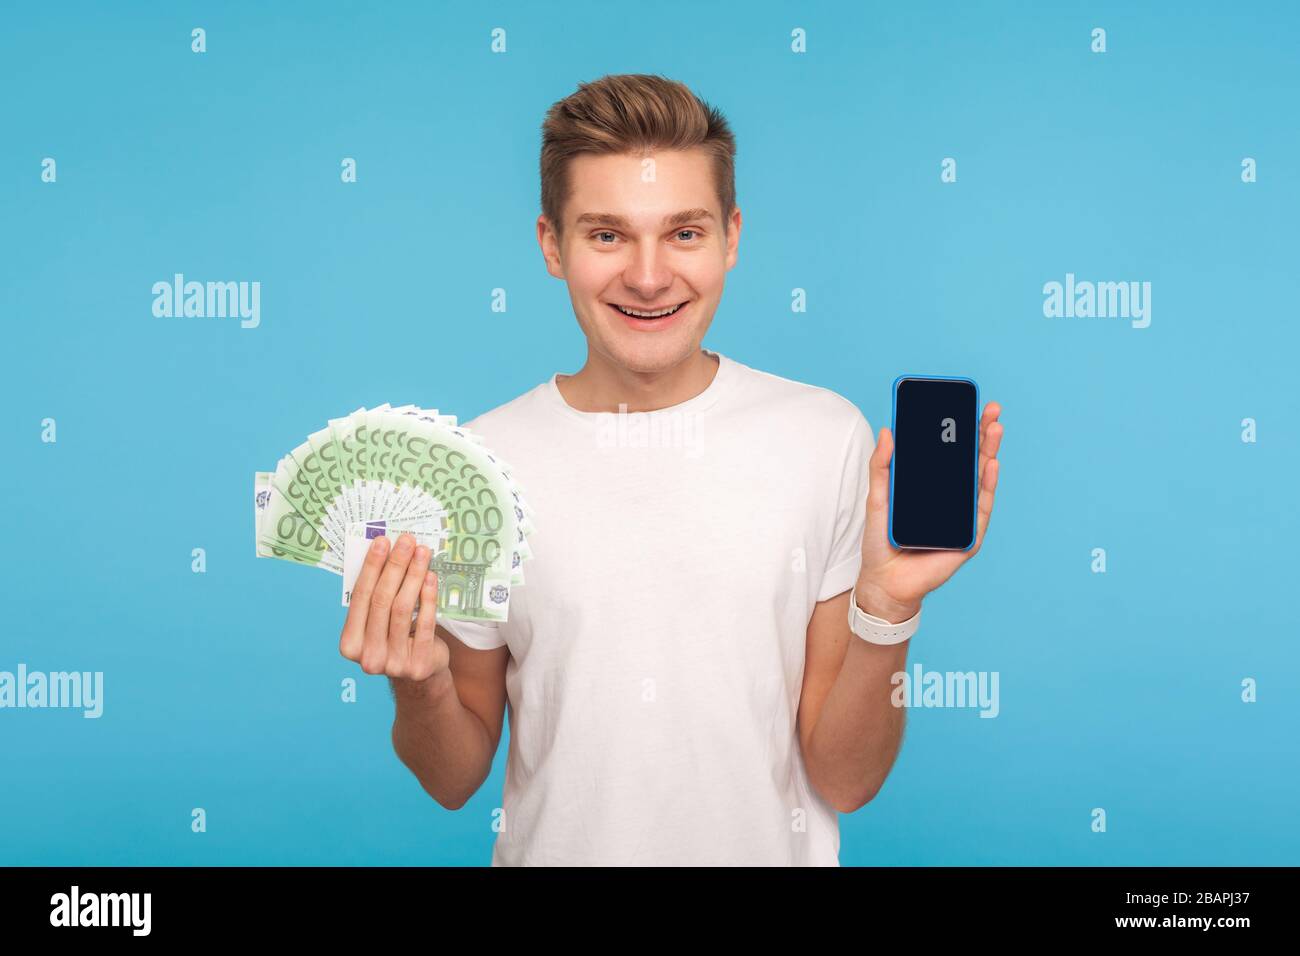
374 651
401 620
984 504
354 628
422 660
878 488
990 442
991 412
990 435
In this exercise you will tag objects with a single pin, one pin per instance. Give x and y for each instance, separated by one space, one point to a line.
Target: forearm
859 730
440 740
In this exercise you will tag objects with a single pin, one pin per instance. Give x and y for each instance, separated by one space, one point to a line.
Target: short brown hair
632 112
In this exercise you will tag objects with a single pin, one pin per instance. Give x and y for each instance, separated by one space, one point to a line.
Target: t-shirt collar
722 379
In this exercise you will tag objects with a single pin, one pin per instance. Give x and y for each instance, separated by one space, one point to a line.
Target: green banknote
285 533
401 464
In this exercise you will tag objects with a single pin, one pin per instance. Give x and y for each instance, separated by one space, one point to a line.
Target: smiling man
683 684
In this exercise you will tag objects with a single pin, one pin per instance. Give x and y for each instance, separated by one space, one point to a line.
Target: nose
647 273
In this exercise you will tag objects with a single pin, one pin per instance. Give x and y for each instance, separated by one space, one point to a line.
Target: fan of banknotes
389 470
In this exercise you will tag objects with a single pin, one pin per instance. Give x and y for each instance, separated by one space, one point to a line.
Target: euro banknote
395 463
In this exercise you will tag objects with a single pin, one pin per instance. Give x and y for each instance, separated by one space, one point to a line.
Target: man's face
643 233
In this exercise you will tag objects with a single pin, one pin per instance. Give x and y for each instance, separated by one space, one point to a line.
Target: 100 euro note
467 591
490 464
338 481
427 530
480 565
484 522
388 463
283 532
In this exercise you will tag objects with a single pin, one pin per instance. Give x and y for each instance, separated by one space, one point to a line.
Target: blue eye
694 233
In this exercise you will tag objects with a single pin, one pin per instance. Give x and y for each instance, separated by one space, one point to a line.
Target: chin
652 356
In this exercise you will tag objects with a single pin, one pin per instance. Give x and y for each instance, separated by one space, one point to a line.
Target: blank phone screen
935 447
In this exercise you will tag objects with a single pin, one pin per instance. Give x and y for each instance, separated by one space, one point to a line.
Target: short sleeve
480 635
845 556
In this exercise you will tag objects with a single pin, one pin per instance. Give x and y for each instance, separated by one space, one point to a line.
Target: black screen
935 448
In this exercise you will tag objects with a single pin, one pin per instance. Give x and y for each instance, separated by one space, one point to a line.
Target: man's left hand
893 581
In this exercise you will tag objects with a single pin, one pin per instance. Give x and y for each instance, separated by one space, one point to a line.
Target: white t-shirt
657 646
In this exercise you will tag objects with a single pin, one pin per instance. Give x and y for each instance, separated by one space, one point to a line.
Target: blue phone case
893 426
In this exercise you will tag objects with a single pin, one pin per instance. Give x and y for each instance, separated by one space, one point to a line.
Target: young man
683 684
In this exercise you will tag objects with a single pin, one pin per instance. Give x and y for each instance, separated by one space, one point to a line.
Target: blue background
1118 690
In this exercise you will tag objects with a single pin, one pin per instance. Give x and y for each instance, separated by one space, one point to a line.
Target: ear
549 241
733 237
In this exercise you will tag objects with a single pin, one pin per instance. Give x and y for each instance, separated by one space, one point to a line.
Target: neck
602 386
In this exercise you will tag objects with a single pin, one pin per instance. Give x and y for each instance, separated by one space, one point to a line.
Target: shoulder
519 413
814 408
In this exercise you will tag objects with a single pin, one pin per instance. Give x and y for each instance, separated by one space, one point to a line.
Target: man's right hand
378 633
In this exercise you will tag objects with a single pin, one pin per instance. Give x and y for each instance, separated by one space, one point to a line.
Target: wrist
872 600
431 688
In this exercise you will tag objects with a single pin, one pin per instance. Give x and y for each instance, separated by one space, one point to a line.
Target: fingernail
403 543
381 543
428 580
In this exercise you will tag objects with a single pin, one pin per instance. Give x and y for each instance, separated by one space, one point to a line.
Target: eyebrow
621 222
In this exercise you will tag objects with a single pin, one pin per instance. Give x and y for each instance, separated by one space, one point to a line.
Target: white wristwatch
876 630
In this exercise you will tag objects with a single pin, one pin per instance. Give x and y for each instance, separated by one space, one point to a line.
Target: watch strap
876 630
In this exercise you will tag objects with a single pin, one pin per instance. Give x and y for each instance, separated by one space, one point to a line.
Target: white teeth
647 315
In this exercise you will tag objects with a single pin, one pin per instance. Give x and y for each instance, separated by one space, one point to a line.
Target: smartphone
933 483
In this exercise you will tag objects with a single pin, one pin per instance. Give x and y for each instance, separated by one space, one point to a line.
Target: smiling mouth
647 314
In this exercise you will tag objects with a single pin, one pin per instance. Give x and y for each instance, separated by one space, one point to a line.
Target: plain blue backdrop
1119 690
